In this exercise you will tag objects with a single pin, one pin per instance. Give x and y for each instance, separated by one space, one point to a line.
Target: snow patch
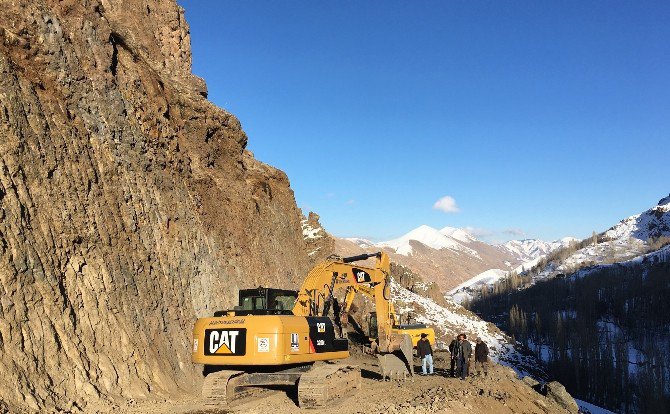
488 277
588 408
309 232
361 242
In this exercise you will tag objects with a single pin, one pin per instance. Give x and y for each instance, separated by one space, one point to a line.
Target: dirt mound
500 392
128 205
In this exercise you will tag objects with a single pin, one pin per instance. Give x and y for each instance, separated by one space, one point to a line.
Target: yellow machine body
415 332
265 340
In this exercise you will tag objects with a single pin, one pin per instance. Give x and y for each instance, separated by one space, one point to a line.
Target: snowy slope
488 277
627 239
454 319
361 242
531 249
588 408
430 237
661 255
652 223
458 234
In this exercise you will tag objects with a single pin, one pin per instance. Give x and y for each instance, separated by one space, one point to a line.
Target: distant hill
452 257
631 237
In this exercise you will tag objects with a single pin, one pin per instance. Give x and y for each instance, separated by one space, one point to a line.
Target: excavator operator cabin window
253 303
284 302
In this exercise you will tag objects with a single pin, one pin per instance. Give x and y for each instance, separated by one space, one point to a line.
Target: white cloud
350 202
515 232
446 204
479 232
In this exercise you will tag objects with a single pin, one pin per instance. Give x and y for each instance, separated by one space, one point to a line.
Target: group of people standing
461 355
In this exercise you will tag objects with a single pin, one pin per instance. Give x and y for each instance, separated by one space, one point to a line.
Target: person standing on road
426 354
481 357
452 351
464 351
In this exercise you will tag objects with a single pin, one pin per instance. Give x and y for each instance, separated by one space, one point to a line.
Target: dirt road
499 392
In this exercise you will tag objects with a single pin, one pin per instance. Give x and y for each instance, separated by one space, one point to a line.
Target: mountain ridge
452 256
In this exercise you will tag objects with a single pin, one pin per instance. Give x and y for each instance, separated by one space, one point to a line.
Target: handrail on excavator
360 257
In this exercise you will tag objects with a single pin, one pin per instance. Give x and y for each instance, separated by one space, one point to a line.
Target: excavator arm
317 294
317 291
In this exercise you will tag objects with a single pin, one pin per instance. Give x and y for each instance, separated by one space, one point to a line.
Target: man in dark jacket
481 357
452 351
425 352
463 355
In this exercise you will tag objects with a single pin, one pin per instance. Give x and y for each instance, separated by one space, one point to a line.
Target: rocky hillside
128 205
450 319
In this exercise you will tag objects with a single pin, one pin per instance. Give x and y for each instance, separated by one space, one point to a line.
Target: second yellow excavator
278 337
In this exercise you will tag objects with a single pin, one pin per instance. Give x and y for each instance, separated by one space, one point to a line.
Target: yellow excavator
277 337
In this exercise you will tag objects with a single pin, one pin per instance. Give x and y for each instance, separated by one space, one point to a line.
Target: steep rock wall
128 205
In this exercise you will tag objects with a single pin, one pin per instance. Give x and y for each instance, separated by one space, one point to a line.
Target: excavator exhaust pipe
398 362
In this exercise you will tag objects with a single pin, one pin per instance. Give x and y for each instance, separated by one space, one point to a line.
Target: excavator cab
263 301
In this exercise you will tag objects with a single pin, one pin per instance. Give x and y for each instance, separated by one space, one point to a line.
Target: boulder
530 381
556 391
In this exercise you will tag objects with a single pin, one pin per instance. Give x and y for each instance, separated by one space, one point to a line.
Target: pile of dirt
499 392
128 205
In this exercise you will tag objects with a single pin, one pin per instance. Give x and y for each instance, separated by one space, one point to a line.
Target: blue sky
539 119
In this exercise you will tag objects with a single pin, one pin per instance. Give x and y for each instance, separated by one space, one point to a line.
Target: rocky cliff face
128 205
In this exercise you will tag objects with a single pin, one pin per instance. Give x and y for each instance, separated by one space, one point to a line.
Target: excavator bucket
399 362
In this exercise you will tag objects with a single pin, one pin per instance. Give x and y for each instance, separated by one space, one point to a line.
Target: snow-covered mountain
458 234
448 256
361 242
527 252
651 224
631 237
454 258
447 238
530 249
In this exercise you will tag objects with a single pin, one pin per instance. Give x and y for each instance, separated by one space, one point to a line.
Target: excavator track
326 383
224 389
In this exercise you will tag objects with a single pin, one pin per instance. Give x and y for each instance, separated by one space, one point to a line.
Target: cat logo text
225 342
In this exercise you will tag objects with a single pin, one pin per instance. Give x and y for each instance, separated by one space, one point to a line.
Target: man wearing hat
481 357
426 354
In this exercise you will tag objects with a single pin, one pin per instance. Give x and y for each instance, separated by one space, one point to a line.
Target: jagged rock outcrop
128 205
320 244
415 283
